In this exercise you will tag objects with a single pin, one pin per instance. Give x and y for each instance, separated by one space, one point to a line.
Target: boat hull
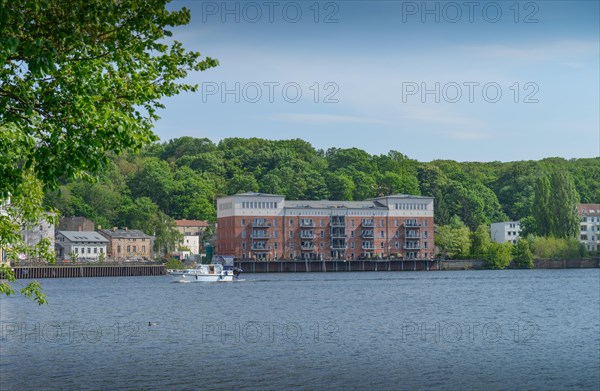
193 277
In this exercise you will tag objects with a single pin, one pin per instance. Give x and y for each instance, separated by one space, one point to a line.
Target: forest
181 179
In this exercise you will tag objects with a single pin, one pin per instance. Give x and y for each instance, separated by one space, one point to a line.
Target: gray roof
325 204
124 233
83 236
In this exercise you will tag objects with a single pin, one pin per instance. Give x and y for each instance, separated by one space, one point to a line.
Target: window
128 249
352 223
134 249
351 234
396 245
101 250
395 223
95 250
352 244
382 245
425 244
276 246
291 222
322 223
382 234
322 234
243 234
76 250
144 249
243 222
322 244
397 234
381 223
244 246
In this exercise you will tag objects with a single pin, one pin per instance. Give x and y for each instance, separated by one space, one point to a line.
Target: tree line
181 179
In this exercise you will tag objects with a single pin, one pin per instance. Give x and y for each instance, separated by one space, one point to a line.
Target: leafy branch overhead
80 80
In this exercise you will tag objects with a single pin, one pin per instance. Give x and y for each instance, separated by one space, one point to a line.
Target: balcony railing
261 223
338 234
368 234
368 223
413 224
338 247
412 247
307 235
260 236
307 223
258 248
307 247
336 222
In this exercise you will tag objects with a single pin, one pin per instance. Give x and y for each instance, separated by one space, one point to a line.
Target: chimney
79 228
114 229
99 227
125 228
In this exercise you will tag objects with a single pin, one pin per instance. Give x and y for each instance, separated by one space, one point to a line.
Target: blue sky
470 81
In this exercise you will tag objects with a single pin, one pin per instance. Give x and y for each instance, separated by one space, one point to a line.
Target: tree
480 241
453 239
541 211
522 256
563 207
498 255
79 80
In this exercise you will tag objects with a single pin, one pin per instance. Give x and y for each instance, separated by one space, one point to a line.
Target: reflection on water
492 330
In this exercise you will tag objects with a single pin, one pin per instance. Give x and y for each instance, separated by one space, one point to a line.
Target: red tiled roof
589 209
191 223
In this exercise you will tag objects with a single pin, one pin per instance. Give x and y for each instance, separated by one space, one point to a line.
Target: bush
173 263
558 248
522 256
498 255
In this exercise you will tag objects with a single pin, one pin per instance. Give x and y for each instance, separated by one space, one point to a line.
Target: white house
590 226
32 234
86 246
506 231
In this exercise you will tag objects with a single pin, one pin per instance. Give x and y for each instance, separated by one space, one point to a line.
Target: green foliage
453 239
174 264
498 255
522 256
480 241
79 80
558 248
555 211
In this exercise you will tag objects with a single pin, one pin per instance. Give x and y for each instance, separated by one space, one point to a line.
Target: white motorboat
213 272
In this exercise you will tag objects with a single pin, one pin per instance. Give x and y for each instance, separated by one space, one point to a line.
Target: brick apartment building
268 227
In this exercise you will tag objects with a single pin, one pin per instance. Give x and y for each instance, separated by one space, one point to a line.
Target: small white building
86 246
506 231
590 226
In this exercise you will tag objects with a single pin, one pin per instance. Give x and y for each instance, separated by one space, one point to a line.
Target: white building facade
589 233
85 246
506 231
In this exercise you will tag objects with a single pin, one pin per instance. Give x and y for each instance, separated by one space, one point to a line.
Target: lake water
481 330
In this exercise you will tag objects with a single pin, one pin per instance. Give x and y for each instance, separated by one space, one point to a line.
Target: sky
464 80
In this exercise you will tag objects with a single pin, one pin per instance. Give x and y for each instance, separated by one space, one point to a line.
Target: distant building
506 231
76 224
128 244
32 234
267 227
86 246
590 225
192 231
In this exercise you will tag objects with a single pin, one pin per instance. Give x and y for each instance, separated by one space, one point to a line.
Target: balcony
337 221
309 223
258 247
260 236
264 223
307 247
368 246
368 223
368 234
307 235
338 247
338 234
412 237
412 224
410 246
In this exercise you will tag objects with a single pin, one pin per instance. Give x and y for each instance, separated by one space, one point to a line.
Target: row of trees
182 178
456 241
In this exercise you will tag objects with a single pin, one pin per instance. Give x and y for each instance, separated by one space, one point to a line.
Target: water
481 330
